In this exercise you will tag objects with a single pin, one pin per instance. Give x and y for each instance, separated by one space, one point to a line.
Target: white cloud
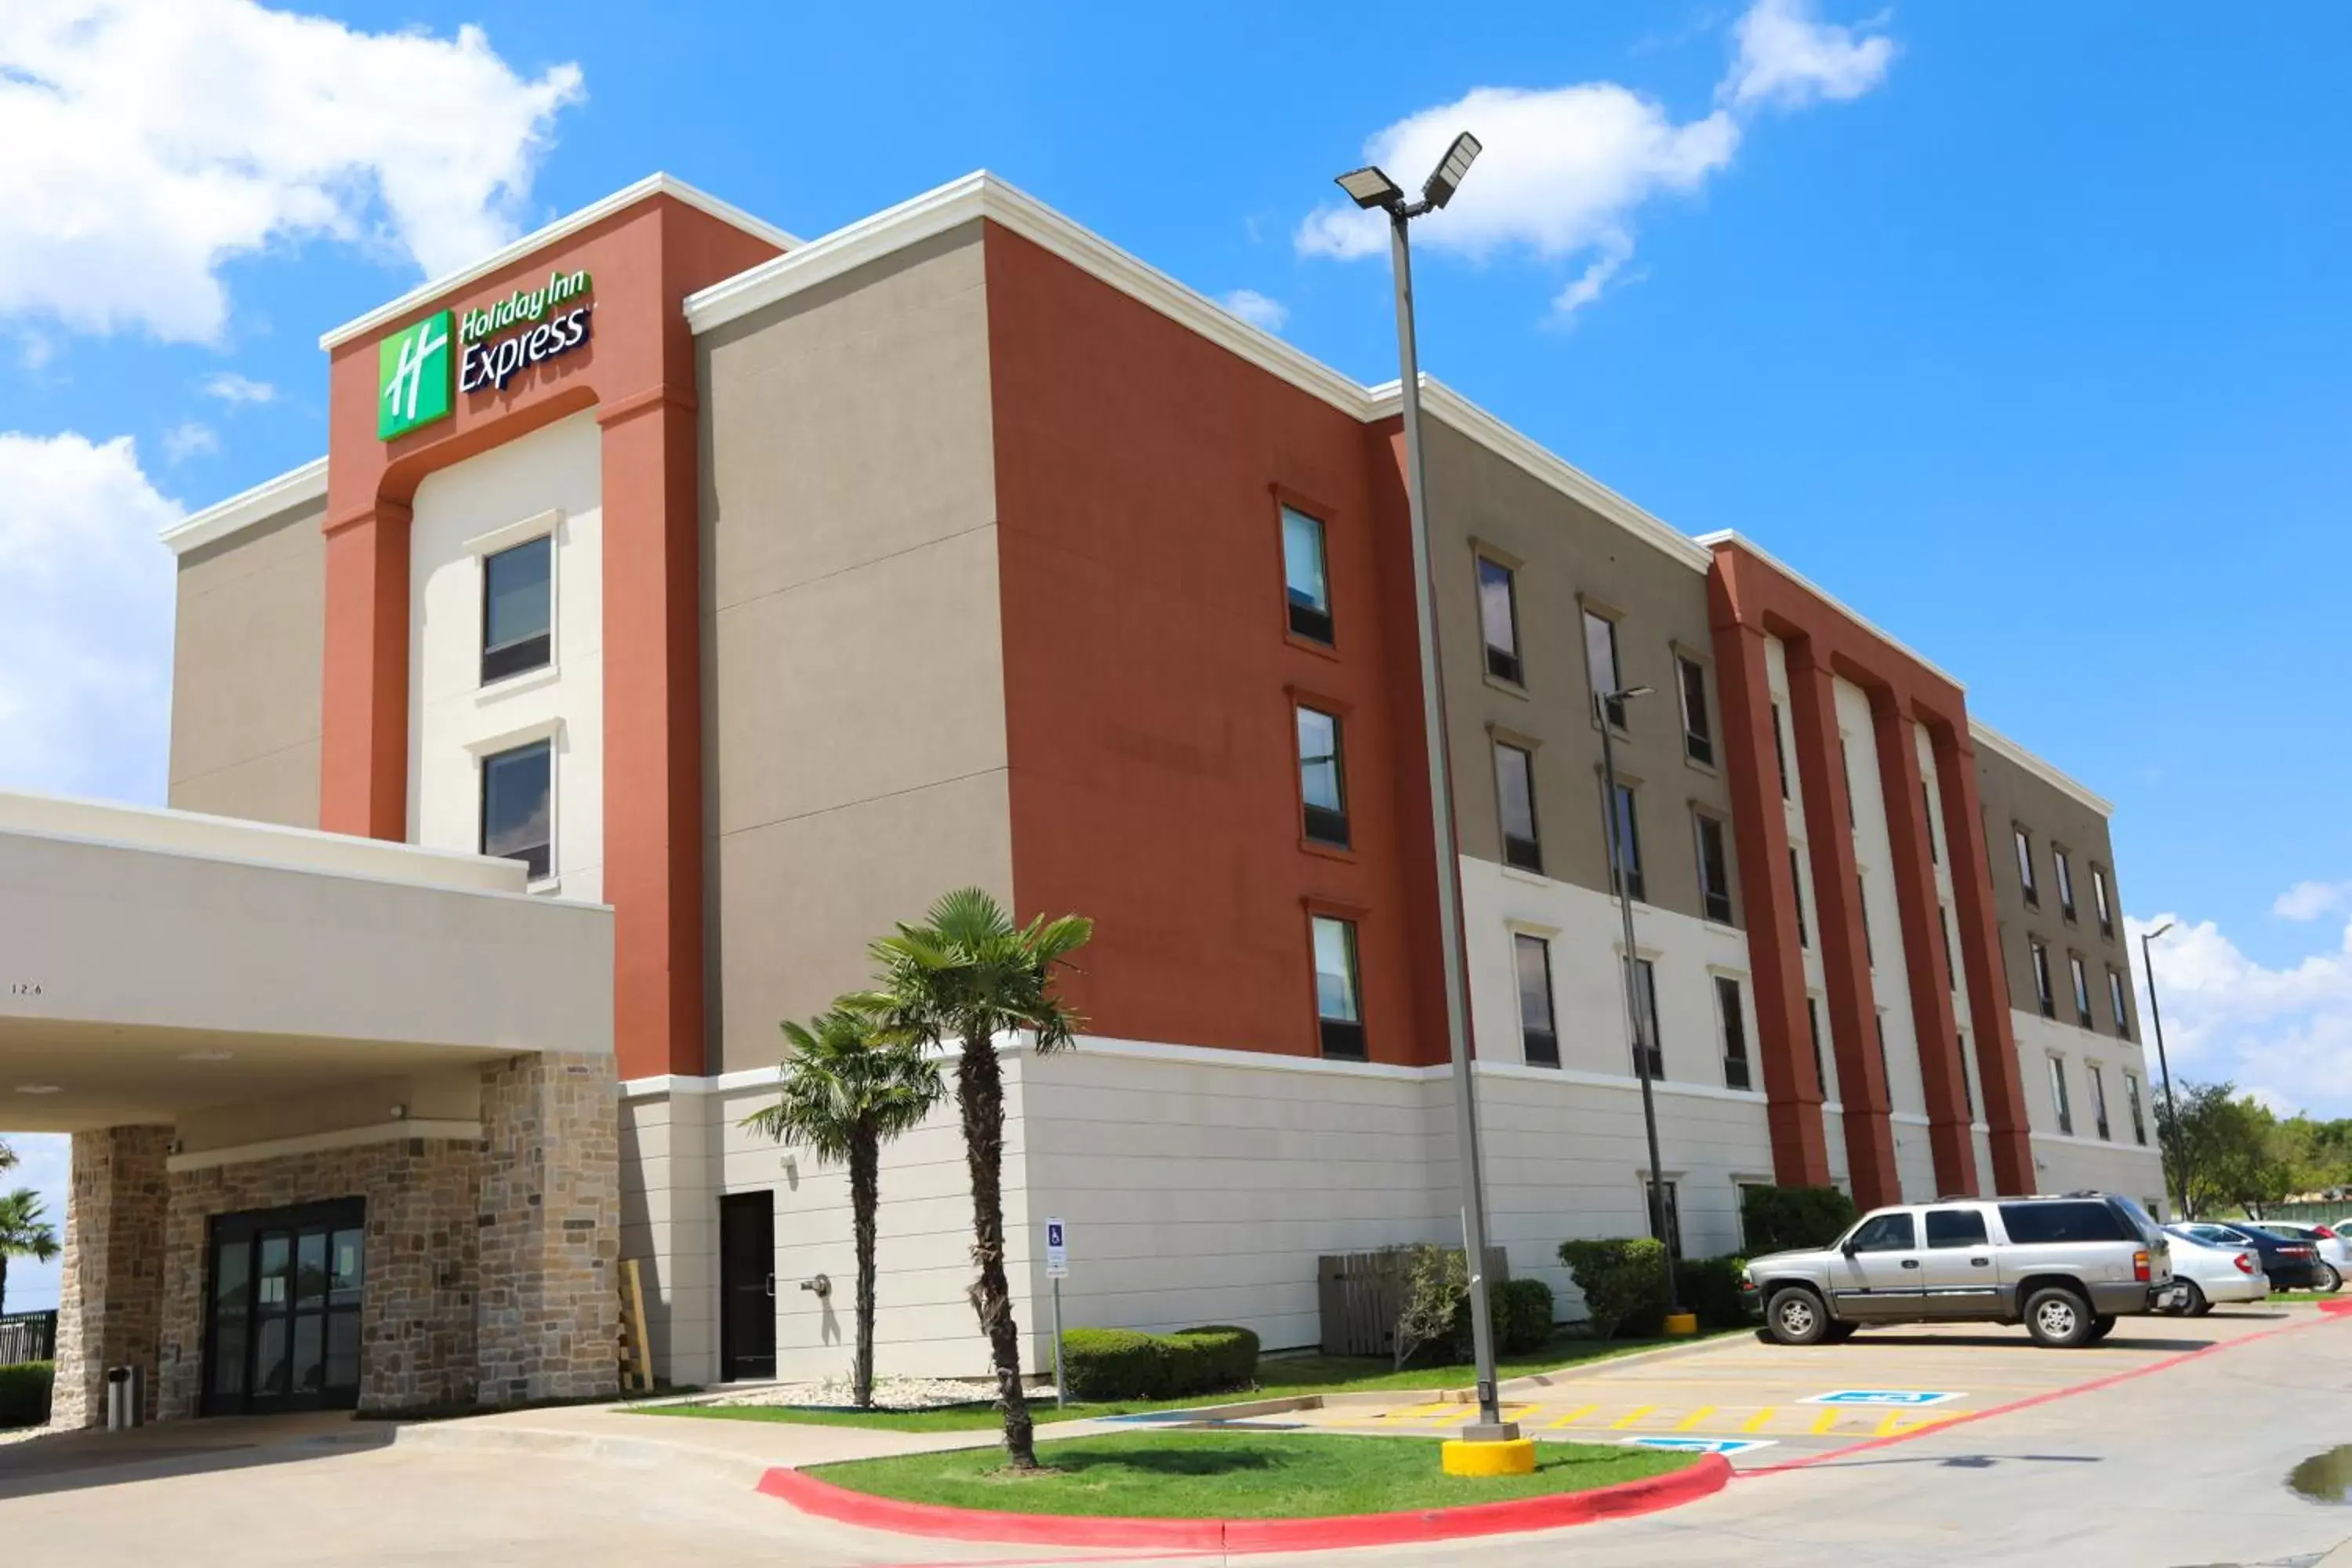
1787 60
1563 170
43 1162
232 388
2286 1031
193 439
1257 308
85 618
150 141
2309 901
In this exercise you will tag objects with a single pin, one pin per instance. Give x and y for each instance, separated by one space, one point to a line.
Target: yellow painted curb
1516 1457
1679 1324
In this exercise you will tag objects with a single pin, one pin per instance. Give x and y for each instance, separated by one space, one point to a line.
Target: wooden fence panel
1360 1294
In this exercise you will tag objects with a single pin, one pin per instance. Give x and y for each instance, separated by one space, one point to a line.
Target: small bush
1623 1281
1710 1288
1436 1300
1777 1219
25 1392
1123 1363
1522 1316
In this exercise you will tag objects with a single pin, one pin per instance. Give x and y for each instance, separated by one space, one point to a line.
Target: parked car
2292 1263
2335 1253
2067 1267
2207 1272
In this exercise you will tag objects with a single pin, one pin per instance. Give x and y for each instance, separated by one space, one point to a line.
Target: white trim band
316 1142
271 497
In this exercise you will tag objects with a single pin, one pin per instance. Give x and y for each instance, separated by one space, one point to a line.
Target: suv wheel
2059 1318
2101 1327
1796 1317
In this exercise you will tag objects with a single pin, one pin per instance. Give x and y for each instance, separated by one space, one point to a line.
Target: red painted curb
1623 1501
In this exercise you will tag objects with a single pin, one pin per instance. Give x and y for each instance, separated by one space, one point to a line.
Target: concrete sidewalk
624 1434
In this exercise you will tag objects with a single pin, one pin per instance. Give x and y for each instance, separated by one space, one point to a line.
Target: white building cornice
271 497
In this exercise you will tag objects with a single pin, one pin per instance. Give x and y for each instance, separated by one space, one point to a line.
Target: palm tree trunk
979 1096
3 1281
865 1195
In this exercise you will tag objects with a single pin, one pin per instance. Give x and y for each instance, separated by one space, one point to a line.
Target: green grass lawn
1287 1375
1233 1475
2307 1296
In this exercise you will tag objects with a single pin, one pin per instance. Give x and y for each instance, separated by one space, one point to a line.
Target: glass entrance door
283 1321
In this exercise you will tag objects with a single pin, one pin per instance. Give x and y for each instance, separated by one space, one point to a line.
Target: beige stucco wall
246 662
2013 796
855 735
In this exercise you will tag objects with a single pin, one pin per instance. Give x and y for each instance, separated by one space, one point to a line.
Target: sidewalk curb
1624 1500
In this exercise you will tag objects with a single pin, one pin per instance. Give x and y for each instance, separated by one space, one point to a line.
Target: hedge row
1520 1310
1122 1364
25 1394
1779 1219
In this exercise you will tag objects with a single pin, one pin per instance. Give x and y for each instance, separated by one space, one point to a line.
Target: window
2116 1001
1498 618
518 802
2041 991
1813 1029
1885 1069
1735 1033
1629 846
1928 822
1797 892
1338 1002
2071 1219
1779 751
2099 1098
1649 1057
1967 1089
2065 883
1951 970
1665 1217
1538 1041
1515 791
1322 783
1886 1233
1845 778
1600 660
2099 902
1305 583
1955 1227
1862 908
2058 1096
1698 733
517 609
2025 865
2139 1120
1714 870
2082 980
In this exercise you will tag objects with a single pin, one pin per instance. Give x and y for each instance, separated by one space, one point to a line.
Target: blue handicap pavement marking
1699 1445
1906 1397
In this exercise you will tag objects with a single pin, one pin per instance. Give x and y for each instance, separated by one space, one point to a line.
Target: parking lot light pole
1619 869
1372 190
2171 1108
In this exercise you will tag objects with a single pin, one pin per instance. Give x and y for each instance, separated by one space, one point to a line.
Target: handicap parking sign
1726 1445
1903 1398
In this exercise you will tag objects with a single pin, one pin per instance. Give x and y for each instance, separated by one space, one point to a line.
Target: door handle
1910 1263
1980 1262
771 1287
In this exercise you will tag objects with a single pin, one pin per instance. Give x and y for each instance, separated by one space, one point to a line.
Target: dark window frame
2024 842
1306 621
1338 1039
2078 974
1622 839
1797 895
2062 875
1698 724
1645 991
2098 1100
2103 897
2062 1099
1781 751
1525 853
1537 1046
1504 664
1323 825
2119 1001
1614 712
531 650
1714 902
2045 984
539 859
1813 1031
1738 1073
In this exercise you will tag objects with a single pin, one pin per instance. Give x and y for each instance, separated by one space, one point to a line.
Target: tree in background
847 1090
969 974
25 1232
2226 1149
7 1156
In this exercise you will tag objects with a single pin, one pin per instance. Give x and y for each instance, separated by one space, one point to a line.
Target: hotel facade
679 603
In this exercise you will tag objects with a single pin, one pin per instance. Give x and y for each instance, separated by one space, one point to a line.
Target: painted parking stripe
1694 1418
1638 1411
1574 1417
1758 1421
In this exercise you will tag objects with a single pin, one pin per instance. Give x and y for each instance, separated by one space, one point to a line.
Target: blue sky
2020 328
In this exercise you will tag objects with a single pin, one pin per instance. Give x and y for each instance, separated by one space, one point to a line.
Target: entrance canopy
157 963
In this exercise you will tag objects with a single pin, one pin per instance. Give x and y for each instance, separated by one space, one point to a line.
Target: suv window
1886 1233
1955 1227
2087 1220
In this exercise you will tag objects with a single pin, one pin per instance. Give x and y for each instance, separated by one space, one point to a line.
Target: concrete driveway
2142 1452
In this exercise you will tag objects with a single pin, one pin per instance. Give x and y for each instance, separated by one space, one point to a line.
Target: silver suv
2067 1267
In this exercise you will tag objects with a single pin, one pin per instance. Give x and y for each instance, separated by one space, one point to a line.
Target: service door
747 1286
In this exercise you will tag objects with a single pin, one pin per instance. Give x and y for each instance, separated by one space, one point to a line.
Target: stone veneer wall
550 1229
110 1302
417 1337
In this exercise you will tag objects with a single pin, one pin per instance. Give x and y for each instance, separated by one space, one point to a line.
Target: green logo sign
412 377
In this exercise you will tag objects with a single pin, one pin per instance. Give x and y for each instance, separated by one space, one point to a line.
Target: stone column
550 1224
111 1300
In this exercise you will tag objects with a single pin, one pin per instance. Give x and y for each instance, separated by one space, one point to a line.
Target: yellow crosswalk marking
1756 1423
1574 1417
1638 1411
1695 1417
1825 1420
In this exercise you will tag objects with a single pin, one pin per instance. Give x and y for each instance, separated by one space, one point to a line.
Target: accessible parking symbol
1901 1398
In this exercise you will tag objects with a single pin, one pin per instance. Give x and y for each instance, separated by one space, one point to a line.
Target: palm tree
24 1233
848 1089
967 974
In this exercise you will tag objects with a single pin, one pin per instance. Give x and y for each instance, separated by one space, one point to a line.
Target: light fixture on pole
1371 189
1637 1014
2171 1108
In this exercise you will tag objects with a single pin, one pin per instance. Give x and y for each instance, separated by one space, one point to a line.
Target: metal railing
28 1336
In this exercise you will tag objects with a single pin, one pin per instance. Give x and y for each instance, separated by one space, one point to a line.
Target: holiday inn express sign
415 365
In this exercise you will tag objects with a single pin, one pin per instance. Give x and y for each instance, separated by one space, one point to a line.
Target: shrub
1623 1281
25 1394
1122 1364
1710 1288
1436 1287
1522 1316
1777 1219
